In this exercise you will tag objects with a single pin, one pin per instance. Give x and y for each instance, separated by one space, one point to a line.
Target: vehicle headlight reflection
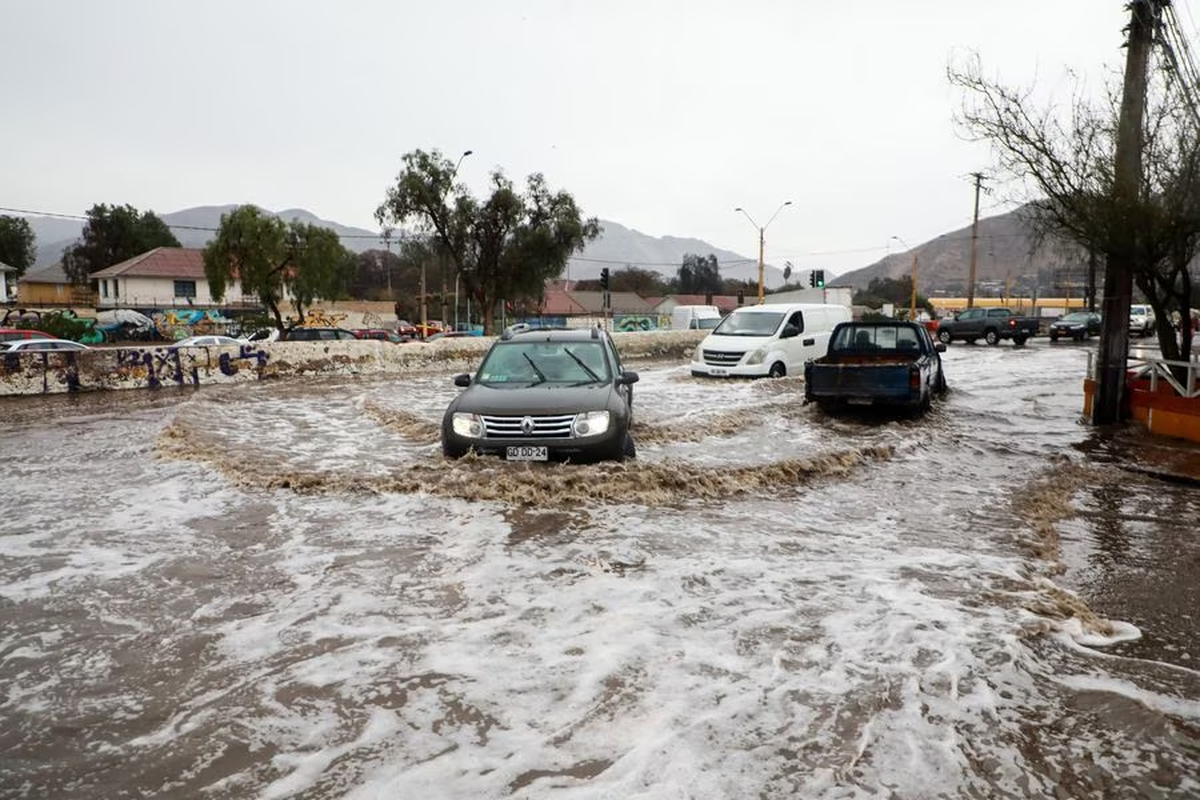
469 425
591 423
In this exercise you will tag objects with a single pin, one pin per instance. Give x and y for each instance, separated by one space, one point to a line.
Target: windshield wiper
595 378
541 375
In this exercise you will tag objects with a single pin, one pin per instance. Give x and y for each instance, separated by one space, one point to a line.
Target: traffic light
816 279
604 279
812 278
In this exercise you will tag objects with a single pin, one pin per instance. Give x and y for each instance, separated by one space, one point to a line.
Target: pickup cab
877 364
989 324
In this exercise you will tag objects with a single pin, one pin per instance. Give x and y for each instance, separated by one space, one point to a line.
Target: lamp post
424 306
912 312
762 230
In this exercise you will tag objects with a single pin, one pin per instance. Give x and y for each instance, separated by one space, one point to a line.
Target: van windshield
708 323
750 323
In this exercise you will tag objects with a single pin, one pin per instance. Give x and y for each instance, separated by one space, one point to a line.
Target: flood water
281 590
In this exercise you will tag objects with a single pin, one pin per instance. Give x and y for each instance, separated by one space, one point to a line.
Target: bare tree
1060 161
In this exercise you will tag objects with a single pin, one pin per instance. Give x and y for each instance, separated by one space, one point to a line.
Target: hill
1003 255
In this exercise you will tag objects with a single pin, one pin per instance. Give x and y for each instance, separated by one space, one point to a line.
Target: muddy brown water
282 590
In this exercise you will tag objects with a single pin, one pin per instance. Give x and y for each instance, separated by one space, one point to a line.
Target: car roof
553 335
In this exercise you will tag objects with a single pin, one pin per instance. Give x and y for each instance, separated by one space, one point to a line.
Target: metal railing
1160 369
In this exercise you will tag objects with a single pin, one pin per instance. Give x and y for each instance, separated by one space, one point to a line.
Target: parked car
319 335
205 341
41 346
990 324
380 334
542 395
16 334
877 364
407 329
1077 325
453 335
427 329
1141 320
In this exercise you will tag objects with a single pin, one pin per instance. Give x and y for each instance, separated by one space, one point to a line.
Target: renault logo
527 426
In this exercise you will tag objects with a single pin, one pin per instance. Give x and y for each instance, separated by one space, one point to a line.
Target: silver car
41 346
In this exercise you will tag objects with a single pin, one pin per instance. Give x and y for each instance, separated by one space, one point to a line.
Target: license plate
526 454
717 371
859 401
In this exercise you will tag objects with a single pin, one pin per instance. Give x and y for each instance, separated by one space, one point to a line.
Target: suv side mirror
940 347
789 331
627 377
463 380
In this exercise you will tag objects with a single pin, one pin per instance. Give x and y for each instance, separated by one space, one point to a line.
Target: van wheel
778 370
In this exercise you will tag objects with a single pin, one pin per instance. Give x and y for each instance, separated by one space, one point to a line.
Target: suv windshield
545 362
750 323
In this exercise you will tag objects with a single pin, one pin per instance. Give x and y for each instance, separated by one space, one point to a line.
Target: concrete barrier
155 367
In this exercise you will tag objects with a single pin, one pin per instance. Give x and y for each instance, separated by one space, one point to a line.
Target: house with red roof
165 277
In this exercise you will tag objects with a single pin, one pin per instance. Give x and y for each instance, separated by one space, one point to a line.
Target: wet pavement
282 590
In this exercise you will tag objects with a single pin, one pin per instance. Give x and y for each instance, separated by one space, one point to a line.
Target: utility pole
761 236
974 243
1113 351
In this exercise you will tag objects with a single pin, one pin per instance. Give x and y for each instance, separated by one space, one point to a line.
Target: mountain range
616 246
1004 252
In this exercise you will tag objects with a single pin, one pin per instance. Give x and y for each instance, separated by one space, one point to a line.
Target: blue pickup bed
876 363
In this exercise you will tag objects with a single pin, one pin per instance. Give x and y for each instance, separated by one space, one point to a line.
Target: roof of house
724 302
622 302
161 262
53 273
558 302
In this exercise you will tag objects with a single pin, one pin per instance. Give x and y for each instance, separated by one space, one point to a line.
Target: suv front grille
721 358
545 427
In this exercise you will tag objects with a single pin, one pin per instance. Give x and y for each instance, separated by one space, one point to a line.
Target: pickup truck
989 324
877 364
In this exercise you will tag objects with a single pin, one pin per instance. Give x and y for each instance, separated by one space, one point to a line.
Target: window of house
116 288
185 288
104 288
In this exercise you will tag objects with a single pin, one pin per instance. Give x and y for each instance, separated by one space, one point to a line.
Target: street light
424 305
761 238
912 313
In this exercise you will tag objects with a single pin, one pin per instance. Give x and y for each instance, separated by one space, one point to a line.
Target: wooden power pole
1113 351
974 243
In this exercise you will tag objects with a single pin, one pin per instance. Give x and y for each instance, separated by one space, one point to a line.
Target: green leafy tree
113 234
699 275
504 246
17 248
278 262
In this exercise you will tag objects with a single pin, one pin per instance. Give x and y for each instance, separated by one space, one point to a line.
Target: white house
165 277
8 283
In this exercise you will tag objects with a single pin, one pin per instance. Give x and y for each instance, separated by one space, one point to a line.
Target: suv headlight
757 356
469 425
591 423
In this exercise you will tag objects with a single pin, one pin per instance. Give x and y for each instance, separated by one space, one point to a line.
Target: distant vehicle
16 334
877 364
380 334
545 395
769 340
990 324
41 346
319 335
407 329
453 335
264 335
206 341
469 328
693 318
1141 319
427 329
1078 326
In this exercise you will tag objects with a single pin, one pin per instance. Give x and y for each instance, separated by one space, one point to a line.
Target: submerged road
281 590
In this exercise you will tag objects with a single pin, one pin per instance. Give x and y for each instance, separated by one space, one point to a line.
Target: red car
379 333
406 328
14 334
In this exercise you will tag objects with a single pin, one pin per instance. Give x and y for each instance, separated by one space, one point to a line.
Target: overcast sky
662 116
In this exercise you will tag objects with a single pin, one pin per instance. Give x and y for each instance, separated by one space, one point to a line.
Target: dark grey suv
545 395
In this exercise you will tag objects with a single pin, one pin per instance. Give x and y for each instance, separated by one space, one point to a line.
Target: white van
772 340
691 318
